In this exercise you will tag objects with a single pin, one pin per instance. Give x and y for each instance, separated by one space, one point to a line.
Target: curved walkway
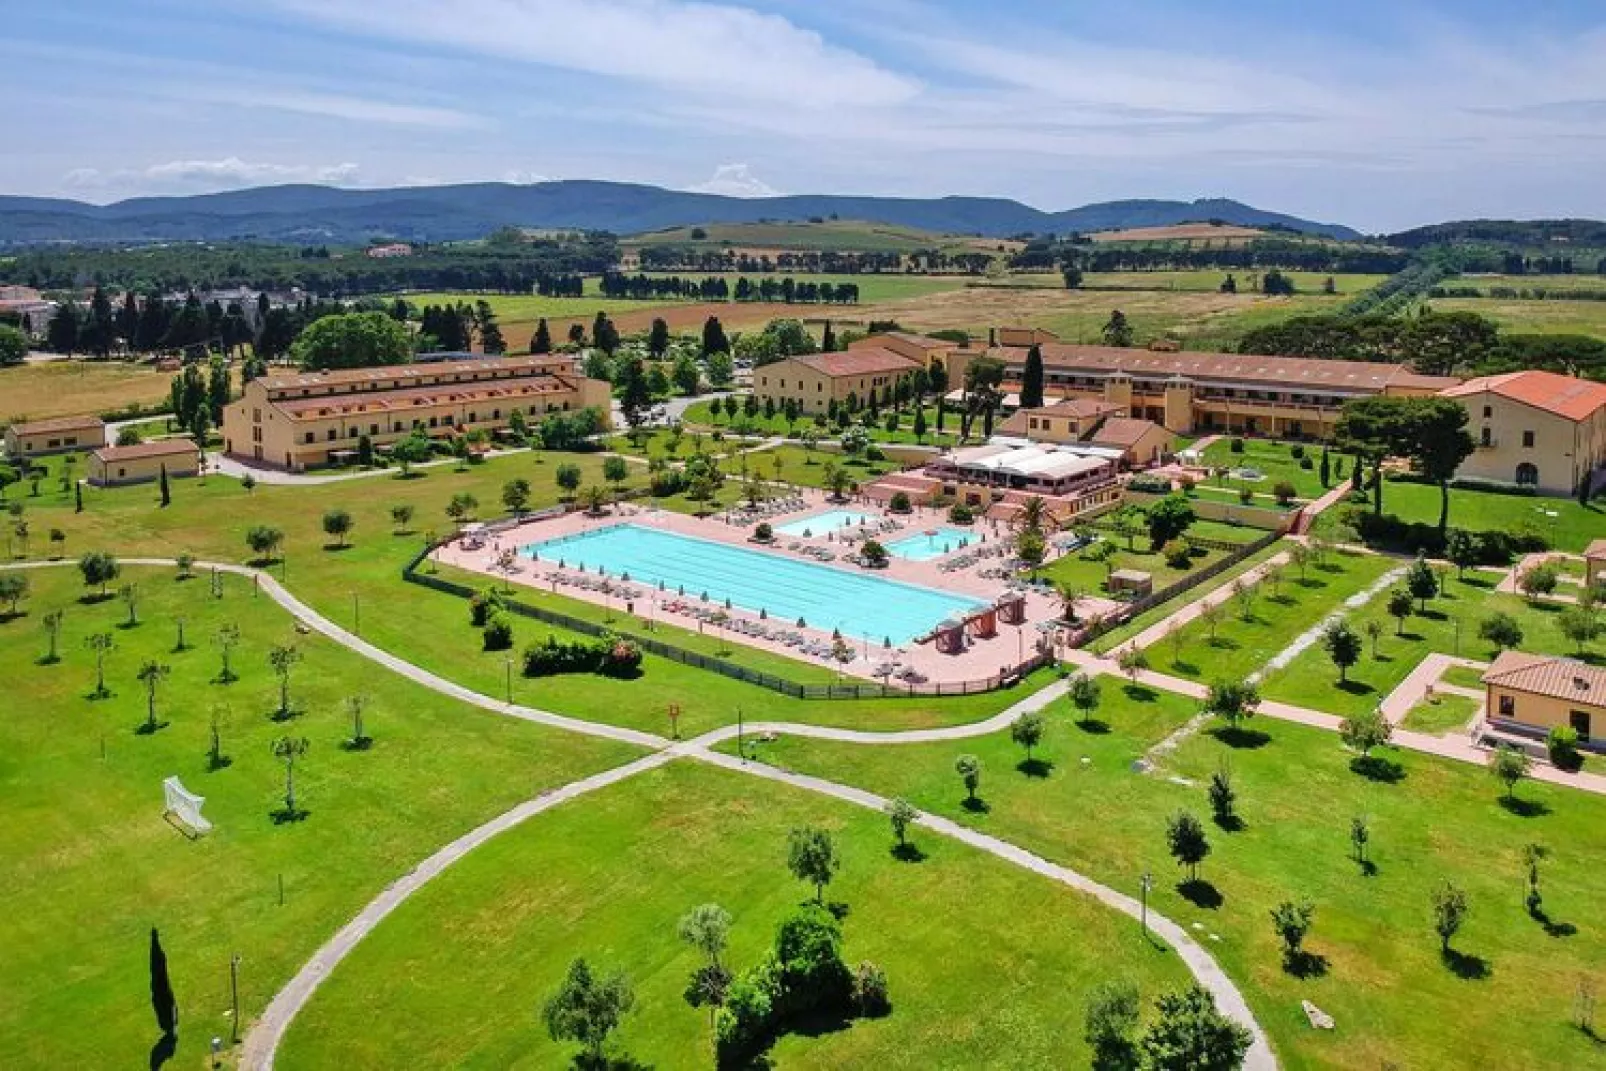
262 1039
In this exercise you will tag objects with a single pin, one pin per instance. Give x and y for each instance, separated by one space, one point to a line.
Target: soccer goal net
184 805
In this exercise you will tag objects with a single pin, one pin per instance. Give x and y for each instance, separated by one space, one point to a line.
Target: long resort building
303 420
1189 392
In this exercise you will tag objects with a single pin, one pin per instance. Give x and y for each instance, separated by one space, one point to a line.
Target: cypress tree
1327 470
1031 383
167 496
162 1000
828 340
78 498
542 342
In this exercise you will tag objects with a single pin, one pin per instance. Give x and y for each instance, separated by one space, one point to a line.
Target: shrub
764 533
498 634
611 656
1297 451
959 513
1237 445
1284 492
874 453
1147 484
482 606
1306 463
1245 495
1562 743
667 482
1178 555
870 990
899 503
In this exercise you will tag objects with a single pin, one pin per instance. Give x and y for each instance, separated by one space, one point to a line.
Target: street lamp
234 990
1146 883
508 663
356 614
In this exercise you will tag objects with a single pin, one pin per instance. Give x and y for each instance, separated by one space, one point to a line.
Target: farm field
459 974
89 865
1209 280
360 586
1251 633
69 388
1580 281
841 235
1228 234
873 287
1297 794
1450 626
1533 317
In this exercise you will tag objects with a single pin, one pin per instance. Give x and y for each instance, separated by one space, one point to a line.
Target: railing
714 664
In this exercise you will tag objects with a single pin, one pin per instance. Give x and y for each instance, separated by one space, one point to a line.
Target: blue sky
1374 113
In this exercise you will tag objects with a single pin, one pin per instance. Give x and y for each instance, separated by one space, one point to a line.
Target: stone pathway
1310 636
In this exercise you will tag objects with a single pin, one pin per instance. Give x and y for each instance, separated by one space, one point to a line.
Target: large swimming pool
860 604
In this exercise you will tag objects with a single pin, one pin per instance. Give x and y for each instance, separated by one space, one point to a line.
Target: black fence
726 667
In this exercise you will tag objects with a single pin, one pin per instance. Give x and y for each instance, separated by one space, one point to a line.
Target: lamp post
1145 884
741 744
356 614
234 992
508 663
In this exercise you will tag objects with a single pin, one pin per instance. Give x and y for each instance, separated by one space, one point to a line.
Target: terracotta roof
327 405
860 362
1597 549
1558 678
1575 399
155 448
71 423
406 371
1122 431
1287 372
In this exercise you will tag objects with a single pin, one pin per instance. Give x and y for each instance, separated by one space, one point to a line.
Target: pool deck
982 658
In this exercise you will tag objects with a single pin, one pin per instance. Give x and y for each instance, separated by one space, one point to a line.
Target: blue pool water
922 547
860 604
819 524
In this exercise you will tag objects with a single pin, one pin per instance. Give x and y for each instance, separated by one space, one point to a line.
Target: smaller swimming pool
819 525
924 546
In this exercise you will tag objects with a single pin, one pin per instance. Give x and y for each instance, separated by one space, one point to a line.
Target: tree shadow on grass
975 805
1139 693
583 1061
908 852
95 598
214 763
1187 669
1035 768
1236 736
1230 823
1368 868
1223 643
1465 966
282 716
1551 926
1201 894
145 728
11 615
1433 615
163 1051
286 816
335 548
1478 582
261 563
1377 768
46 660
1094 726
1525 808
1305 964
1356 687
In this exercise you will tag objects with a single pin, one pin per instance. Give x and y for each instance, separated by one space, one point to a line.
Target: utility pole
234 991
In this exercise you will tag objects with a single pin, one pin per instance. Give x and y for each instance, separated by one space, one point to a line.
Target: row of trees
688 257
786 290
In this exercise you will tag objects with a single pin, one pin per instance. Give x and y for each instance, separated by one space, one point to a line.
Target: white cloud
333 106
735 180
524 178
194 176
695 47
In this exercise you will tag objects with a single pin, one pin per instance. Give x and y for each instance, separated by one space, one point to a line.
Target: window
1488 411
308 437
1508 706
1528 439
331 434
1487 438
1527 474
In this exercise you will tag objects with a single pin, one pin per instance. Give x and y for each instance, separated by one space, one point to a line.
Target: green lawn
1310 680
364 579
1210 280
701 414
1441 715
518 307
89 865
1109 641
1463 677
1245 641
1394 999
457 977
1089 576
1275 461
1562 521
873 287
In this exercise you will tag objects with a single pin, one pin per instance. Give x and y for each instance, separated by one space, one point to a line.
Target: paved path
1311 510
1305 640
1414 687
1508 583
262 1040
223 465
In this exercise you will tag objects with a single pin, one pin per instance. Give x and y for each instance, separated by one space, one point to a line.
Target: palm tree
151 674
1070 597
1032 513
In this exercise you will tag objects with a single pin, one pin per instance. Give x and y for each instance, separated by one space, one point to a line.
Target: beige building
1533 694
1534 429
921 348
1295 397
113 465
815 380
1091 422
297 421
55 436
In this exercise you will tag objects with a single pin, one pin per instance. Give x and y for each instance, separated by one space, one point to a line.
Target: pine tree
542 342
828 339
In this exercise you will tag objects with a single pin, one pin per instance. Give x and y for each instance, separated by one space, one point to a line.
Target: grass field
1530 283
1312 681
1275 461
873 287
1380 973
1245 643
1564 523
69 388
459 974
844 235
1210 280
1533 317
700 413
1089 576
209 520
1442 715
1463 677
89 865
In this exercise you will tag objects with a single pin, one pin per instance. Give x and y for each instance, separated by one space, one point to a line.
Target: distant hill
1556 233
323 214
